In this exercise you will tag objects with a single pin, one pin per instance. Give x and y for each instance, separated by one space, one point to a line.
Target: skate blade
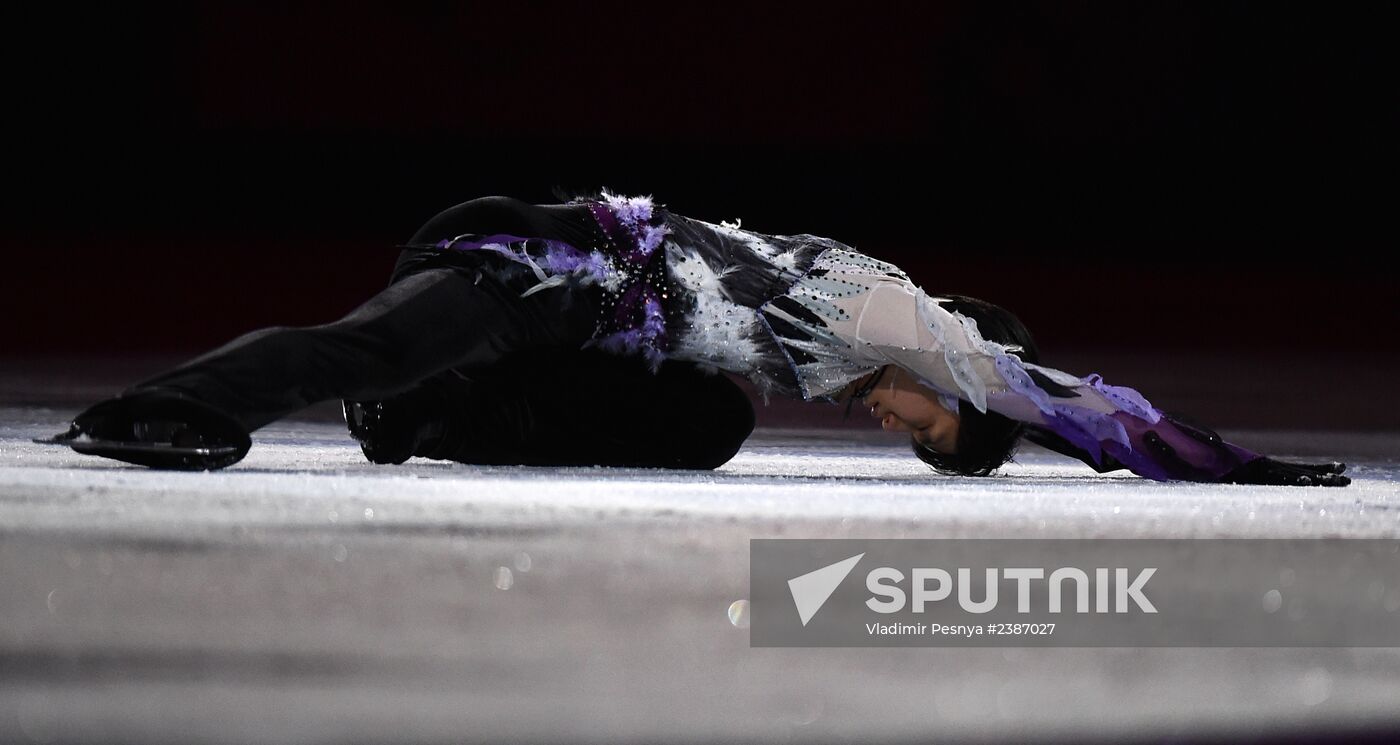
112 447
63 438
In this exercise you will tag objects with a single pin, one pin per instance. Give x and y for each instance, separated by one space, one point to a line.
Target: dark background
1128 178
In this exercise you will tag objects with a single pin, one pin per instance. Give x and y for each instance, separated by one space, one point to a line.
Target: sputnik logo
811 590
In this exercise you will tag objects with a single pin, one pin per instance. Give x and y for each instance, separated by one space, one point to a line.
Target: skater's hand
1268 471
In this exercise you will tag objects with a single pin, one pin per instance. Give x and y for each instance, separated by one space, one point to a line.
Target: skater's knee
716 402
711 449
734 414
708 456
719 421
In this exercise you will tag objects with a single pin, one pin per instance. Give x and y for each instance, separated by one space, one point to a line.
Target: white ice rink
305 595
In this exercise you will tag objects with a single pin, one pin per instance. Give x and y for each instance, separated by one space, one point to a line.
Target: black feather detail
796 310
799 357
786 330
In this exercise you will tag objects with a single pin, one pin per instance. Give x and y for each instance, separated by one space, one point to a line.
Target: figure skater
592 332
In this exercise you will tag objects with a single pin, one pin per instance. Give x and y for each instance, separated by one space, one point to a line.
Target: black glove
1278 473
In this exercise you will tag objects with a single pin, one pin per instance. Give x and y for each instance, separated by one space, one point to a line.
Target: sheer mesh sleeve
1108 425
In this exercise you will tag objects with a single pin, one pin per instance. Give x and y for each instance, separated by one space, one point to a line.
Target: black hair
986 441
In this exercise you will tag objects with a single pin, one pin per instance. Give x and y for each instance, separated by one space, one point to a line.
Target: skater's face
902 404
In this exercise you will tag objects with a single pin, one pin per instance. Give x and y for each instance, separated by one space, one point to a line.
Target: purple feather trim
1090 430
1126 399
651 238
649 337
493 242
628 343
621 342
637 321
559 257
626 223
597 266
631 212
654 327
562 257
1020 382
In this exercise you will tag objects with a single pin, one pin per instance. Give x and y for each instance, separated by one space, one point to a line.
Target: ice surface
306 594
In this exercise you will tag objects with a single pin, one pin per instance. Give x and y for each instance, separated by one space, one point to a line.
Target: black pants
506 374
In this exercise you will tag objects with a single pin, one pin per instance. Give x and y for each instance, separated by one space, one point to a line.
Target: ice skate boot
385 436
158 428
395 429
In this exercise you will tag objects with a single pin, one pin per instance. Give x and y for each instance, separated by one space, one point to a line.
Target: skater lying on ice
592 332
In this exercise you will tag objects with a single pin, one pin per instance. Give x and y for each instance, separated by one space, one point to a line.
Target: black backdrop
1164 176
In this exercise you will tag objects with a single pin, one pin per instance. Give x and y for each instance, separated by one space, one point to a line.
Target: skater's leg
418 326
431 318
566 407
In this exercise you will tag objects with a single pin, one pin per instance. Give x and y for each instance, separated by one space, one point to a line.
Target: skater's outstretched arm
1109 427
1260 470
